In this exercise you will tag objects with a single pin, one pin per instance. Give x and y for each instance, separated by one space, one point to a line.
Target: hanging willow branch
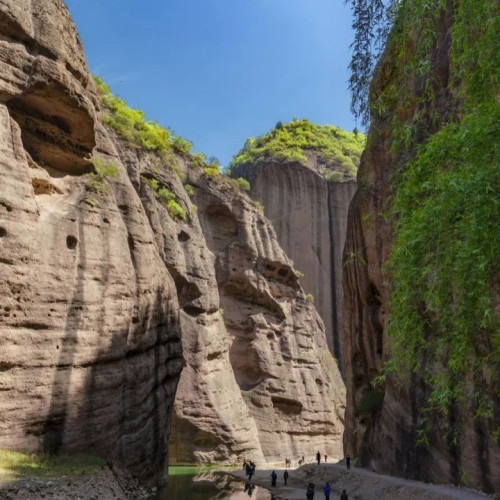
371 24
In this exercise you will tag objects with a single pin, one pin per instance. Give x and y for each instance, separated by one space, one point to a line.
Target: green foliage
175 210
445 260
189 189
371 23
98 181
259 205
47 466
199 160
221 311
131 124
212 170
243 184
336 149
310 297
167 198
299 273
91 201
370 404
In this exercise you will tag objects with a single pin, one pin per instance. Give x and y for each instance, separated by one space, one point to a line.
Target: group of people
318 457
327 491
249 467
274 477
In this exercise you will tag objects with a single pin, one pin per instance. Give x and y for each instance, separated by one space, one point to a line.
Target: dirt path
360 484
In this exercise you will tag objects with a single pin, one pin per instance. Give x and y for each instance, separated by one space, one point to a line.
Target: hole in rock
193 310
183 236
57 131
223 225
71 242
41 186
286 406
3 232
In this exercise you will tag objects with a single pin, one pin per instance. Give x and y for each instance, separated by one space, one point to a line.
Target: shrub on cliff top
243 184
335 148
131 124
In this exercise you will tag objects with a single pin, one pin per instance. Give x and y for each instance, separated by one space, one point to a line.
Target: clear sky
219 71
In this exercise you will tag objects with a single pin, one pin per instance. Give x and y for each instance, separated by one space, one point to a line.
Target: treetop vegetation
131 124
336 150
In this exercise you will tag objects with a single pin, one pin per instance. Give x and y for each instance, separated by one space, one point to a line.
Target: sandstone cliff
309 215
90 338
304 176
434 412
106 262
259 380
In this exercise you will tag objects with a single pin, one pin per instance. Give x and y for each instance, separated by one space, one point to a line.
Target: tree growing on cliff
372 20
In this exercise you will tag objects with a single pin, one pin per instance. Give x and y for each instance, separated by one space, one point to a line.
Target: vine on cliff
445 321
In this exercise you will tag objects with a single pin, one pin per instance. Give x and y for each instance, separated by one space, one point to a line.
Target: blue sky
219 71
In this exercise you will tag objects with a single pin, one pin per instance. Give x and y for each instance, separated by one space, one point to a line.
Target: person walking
348 461
274 476
326 457
310 491
328 490
285 476
344 496
252 471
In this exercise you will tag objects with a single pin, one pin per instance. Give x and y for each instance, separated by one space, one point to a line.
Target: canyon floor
360 484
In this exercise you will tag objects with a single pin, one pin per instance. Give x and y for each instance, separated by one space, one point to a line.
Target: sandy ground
360 484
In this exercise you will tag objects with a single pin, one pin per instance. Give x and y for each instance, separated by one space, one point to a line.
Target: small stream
190 483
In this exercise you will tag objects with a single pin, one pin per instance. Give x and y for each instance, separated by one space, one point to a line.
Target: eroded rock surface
259 380
309 215
384 421
99 281
90 338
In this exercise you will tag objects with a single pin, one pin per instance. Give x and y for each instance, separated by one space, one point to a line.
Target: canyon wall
392 425
100 282
90 338
309 215
259 380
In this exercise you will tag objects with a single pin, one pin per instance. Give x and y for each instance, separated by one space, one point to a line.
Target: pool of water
189 483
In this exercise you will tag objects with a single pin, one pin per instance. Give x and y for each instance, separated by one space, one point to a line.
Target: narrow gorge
305 177
326 291
116 243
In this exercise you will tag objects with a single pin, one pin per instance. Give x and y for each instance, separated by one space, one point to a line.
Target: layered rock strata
89 331
309 215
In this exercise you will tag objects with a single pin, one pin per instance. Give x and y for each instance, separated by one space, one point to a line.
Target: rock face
99 280
309 215
383 421
90 338
259 380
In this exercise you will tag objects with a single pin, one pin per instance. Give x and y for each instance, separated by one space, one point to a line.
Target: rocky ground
360 484
105 484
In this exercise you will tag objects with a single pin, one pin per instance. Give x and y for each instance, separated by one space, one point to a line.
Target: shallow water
189 483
